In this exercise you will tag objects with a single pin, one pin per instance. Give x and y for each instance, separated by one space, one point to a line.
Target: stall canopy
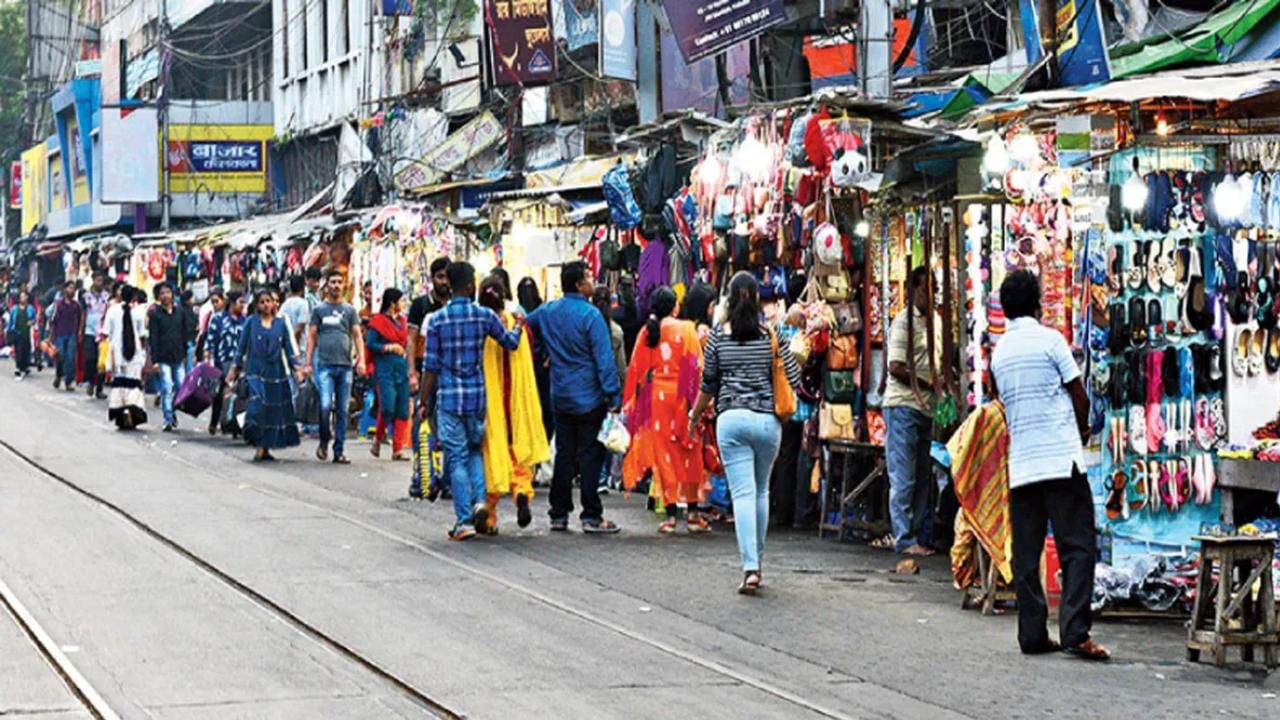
1216 39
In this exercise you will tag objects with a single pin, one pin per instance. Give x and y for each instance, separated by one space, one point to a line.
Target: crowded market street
181 580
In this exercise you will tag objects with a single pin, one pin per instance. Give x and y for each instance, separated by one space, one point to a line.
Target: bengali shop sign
524 48
705 27
471 139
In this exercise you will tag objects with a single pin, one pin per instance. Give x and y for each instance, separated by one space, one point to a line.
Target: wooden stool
1218 605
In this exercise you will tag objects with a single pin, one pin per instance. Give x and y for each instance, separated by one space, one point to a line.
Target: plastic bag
613 434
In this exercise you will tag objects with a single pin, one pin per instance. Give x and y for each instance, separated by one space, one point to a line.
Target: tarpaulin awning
576 174
1211 41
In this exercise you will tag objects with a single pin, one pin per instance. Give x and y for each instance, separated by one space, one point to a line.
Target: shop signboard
131 162
705 27
579 19
79 163
217 158
57 184
618 39
1082 57
15 184
522 44
478 135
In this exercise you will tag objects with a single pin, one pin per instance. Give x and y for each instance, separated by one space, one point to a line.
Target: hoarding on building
35 187
218 158
705 27
618 39
522 43
131 166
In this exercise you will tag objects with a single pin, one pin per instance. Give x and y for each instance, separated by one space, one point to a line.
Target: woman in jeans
738 374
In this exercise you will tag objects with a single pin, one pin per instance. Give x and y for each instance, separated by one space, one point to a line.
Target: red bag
710 450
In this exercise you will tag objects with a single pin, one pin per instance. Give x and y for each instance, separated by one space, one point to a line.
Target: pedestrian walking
192 319
333 339
584 387
661 387
611 472
514 441
221 342
266 355
296 310
66 322
170 329
738 373
909 397
388 337
125 329
312 278
93 304
1047 411
531 299
18 328
422 308
699 308
454 361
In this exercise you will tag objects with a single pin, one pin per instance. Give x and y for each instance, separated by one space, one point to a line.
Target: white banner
130 155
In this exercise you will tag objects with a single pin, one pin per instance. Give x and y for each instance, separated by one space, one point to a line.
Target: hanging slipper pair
1206 436
1203 478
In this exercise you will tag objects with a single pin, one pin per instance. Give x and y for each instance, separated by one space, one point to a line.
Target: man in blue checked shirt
455 338
584 386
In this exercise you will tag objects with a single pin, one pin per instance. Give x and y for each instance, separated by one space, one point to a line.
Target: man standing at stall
455 352
334 333
908 417
1047 411
584 386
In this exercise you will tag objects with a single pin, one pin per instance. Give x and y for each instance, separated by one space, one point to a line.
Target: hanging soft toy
849 165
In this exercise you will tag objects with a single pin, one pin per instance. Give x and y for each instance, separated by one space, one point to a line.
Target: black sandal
750 583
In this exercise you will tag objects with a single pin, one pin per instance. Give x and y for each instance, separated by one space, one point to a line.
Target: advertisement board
35 187
131 166
218 158
618 39
522 43
705 27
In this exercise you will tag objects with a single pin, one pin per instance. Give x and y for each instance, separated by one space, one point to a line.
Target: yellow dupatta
511 449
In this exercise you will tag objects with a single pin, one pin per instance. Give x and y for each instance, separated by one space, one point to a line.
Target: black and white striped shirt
740 374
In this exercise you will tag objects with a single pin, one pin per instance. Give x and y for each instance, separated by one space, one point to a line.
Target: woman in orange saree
660 388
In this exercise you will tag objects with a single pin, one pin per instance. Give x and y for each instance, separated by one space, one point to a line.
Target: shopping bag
428 462
613 434
198 389
104 355
306 404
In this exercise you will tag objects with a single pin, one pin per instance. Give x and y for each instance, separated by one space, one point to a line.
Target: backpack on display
621 200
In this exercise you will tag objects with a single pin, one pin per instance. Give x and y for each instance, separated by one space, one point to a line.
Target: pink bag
198 390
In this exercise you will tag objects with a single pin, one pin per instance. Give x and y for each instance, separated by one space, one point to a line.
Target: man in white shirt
1047 411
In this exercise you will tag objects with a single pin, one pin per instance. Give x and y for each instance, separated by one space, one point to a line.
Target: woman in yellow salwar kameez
514 440
661 386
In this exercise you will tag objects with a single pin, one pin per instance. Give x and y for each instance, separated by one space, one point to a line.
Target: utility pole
167 199
875 45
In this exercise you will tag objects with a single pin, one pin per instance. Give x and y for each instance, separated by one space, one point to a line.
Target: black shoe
169 427
101 394
56 382
88 390
560 525
523 516
433 494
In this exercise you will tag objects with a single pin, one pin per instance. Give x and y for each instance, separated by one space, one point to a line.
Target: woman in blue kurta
266 356
386 342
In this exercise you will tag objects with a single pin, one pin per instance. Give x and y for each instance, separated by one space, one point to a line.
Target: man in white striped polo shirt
1048 416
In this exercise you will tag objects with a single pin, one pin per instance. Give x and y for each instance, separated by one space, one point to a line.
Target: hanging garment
980 472
515 440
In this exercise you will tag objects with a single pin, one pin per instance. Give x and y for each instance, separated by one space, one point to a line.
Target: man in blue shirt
453 392
584 386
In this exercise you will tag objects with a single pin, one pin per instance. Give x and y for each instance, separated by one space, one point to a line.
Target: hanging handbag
834 286
838 386
801 347
810 389
848 318
711 459
843 353
811 440
784 396
835 422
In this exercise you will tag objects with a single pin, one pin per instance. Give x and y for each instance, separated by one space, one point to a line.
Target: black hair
491 293
440 263
572 275
155 292
312 273
505 277
527 293
128 340
233 296
332 273
217 291
461 275
390 297
68 282
297 284
139 295
661 304
1020 295
918 277
601 300
697 304
257 296
186 297
744 307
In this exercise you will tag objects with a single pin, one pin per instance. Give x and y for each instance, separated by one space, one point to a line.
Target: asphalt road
184 581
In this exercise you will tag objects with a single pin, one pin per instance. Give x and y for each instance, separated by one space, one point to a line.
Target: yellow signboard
217 158
35 187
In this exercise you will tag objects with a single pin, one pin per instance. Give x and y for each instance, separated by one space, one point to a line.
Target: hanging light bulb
1162 126
1024 148
711 172
862 229
1133 195
1230 198
752 159
996 161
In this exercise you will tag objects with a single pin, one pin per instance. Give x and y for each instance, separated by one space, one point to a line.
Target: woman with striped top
738 375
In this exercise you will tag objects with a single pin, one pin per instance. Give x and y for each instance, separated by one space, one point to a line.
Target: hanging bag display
835 422
848 318
838 386
843 353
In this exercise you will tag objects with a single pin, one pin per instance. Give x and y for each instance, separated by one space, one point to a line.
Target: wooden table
1244 475
1226 613
860 466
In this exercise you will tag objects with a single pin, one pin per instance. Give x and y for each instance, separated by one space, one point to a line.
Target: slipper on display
1257 352
1138 429
1240 360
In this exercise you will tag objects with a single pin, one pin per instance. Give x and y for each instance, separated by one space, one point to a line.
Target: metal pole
167 199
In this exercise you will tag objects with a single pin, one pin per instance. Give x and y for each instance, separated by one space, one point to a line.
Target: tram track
94 703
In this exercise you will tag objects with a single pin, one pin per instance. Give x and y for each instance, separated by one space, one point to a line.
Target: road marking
54 655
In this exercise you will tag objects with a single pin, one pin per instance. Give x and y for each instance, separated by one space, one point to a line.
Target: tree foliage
13 64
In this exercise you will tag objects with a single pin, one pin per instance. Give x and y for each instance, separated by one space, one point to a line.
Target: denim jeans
171 377
91 376
462 436
66 346
748 446
333 384
909 435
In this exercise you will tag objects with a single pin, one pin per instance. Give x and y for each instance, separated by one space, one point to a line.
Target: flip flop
1240 360
1217 374
1138 492
1155 321
1155 266
1138 322
1137 266
1217 411
1138 429
1187 372
1205 434
1257 352
1168 263
1117 496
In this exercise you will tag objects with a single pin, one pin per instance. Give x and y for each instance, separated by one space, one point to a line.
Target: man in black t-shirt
423 306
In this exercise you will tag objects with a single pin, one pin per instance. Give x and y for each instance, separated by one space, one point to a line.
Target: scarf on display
980 472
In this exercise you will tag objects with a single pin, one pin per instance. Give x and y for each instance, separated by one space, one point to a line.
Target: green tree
13 64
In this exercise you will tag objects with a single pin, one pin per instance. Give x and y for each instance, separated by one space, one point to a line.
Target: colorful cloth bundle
980 472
